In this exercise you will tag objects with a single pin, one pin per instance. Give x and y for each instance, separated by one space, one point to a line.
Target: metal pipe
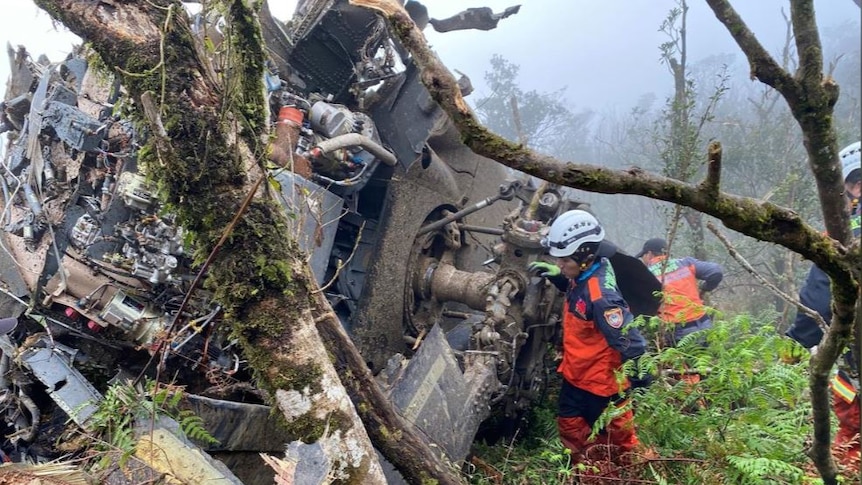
458 215
355 139
32 200
4 369
482 230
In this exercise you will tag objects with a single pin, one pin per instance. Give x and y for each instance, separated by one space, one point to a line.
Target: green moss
283 375
306 428
356 475
249 64
388 435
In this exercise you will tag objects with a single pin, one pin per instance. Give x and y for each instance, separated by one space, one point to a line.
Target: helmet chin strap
854 203
587 262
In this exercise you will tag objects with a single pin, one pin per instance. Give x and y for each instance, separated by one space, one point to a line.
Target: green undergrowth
126 409
747 421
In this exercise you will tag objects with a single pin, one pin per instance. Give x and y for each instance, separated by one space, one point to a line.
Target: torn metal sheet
66 386
434 394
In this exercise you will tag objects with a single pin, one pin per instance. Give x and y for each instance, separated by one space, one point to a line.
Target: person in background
597 338
815 294
684 281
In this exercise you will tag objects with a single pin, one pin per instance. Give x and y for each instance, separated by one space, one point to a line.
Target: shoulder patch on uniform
614 317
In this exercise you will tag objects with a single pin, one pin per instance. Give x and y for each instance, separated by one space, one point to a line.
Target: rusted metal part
447 283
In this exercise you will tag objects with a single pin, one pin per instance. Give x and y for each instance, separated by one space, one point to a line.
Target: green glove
543 269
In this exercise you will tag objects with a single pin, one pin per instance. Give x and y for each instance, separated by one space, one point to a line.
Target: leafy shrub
112 426
745 421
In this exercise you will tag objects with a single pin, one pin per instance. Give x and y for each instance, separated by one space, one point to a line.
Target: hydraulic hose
355 139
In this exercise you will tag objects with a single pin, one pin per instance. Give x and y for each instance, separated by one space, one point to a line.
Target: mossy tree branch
810 72
811 99
811 102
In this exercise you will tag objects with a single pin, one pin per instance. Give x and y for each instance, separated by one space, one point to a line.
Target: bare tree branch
763 66
753 272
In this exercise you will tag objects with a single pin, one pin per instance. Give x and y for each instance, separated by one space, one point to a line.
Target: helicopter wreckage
419 244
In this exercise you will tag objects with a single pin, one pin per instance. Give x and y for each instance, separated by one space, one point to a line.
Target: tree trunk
208 140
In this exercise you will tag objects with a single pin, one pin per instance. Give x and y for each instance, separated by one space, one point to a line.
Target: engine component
135 191
333 120
140 320
348 130
357 140
84 232
72 126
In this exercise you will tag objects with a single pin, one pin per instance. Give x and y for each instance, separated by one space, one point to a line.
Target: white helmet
850 159
570 231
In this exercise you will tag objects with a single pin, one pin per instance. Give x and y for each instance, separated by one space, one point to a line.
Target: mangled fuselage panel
82 223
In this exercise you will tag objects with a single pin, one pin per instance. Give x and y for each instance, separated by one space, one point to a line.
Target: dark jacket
639 288
816 295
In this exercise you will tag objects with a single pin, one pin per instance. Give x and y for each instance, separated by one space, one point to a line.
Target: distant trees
811 97
540 120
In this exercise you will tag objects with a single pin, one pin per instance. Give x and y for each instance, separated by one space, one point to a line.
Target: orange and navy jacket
681 302
596 336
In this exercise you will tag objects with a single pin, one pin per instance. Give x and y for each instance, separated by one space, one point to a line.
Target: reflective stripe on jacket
595 339
681 302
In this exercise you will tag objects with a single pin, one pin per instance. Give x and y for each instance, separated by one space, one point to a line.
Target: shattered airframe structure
421 245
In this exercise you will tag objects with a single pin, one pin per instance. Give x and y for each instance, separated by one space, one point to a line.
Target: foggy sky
605 52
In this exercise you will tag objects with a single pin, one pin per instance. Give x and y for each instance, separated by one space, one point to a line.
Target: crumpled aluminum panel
313 213
435 395
66 386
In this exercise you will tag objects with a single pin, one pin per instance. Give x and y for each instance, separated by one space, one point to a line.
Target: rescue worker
597 338
682 302
815 294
